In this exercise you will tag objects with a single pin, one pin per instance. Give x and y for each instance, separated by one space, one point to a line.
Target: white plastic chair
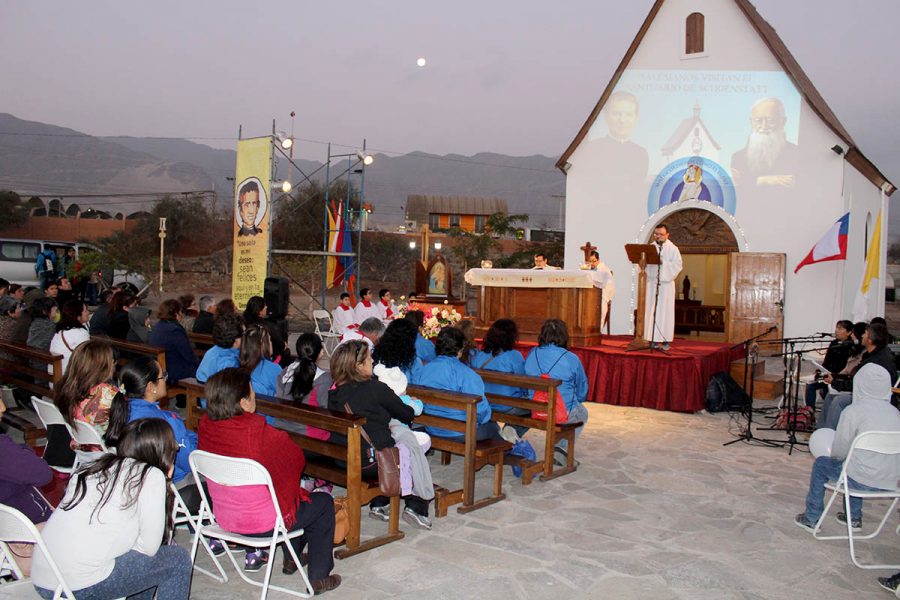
15 527
182 516
882 442
329 335
228 471
50 415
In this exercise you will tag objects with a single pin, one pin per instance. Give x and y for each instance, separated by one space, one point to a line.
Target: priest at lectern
662 329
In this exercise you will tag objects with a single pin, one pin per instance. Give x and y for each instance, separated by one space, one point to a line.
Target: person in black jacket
874 341
204 321
351 371
836 358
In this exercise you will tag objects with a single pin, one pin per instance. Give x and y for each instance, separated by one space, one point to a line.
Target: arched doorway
703 287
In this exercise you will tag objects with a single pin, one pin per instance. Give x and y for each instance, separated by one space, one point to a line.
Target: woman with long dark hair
111 536
397 347
256 348
231 427
304 382
499 354
256 313
119 305
71 331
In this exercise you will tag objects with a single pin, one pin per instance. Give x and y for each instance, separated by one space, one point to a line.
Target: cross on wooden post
587 249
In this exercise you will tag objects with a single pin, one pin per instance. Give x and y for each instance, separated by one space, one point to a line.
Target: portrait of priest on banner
250 208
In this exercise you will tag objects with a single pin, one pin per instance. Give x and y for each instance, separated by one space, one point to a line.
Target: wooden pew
553 432
322 464
157 352
475 454
201 343
12 372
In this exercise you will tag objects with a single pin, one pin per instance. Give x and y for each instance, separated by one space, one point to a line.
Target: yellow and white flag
865 305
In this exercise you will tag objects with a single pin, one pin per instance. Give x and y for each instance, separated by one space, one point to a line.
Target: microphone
823 334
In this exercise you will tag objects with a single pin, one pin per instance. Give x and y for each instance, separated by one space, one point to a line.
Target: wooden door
756 301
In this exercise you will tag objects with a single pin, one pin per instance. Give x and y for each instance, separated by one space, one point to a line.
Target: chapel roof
791 67
684 129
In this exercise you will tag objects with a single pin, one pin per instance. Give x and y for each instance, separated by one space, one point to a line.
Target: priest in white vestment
668 270
603 279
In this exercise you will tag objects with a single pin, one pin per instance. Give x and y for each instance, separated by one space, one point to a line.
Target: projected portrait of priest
249 214
617 156
768 159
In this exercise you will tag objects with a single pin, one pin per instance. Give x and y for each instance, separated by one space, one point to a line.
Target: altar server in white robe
603 279
668 270
343 316
365 308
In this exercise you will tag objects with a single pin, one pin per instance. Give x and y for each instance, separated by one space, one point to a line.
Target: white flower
445 314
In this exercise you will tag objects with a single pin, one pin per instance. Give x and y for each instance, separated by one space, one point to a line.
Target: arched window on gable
693 33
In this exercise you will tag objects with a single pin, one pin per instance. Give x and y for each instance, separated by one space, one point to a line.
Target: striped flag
865 305
832 246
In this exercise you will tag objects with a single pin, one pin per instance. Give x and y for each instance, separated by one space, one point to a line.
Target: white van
17 259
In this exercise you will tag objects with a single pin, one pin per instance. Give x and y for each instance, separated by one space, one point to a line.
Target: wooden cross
587 248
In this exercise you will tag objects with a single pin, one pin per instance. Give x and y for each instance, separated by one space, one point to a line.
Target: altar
531 296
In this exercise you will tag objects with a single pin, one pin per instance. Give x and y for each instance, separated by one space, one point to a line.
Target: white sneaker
379 513
509 434
416 520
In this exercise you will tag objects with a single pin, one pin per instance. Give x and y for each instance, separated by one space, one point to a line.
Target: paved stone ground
659 509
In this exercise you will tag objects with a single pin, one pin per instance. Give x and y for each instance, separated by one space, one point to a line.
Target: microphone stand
653 345
752 347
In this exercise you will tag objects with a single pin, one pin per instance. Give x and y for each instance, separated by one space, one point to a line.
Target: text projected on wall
250 260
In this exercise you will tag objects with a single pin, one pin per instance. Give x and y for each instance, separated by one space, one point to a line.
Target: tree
894 253
472 248
186 217
299 222
12 212
387 258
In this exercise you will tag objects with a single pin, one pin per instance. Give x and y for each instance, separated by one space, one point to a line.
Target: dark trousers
415 503
316 519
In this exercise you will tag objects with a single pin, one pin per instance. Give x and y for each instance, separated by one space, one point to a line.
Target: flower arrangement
404 306
440 318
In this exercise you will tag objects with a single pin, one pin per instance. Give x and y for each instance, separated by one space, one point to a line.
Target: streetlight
438 246
162 243
412 245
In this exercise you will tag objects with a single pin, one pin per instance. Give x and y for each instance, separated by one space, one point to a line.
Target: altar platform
674 381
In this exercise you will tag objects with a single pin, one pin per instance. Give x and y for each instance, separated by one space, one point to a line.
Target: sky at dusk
517 78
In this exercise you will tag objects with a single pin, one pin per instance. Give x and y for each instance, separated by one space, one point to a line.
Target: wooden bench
24 376
476 454
321 457
156 352
201 343
553 431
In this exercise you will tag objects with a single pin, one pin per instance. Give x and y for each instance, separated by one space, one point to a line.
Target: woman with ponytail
304 382
111 536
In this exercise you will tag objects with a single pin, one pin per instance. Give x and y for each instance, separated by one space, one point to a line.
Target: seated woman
84 393
304 382
447 372
351 369
231 427
71 331
836 358
424 347
227 330
143 382
44 313
119 305
139 325
111 536
498 353
397 347
181 362
256 348
256 313
21 472
553 358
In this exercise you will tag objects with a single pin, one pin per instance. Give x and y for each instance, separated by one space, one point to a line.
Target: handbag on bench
388 461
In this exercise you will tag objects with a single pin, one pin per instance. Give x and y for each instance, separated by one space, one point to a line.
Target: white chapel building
709 84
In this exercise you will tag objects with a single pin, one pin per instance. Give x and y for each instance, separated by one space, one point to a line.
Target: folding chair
50 415
327 336
182 516
882 442
228 471
84 434
15 527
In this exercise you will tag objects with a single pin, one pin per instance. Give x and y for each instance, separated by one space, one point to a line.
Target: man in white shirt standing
663 303
365 308
540 263
603 279
343 316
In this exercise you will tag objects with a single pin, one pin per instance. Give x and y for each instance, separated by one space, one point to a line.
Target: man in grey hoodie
871 410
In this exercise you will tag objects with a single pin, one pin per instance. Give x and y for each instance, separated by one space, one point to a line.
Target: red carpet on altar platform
675 381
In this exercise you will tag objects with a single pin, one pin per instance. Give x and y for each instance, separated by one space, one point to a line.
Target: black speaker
276 295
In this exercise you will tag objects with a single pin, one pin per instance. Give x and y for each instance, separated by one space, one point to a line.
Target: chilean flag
832 246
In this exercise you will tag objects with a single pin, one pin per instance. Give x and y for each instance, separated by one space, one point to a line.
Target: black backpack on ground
723 393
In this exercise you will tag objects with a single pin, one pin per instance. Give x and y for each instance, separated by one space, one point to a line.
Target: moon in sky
420 62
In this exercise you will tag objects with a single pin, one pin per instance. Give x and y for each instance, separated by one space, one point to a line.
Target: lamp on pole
162 244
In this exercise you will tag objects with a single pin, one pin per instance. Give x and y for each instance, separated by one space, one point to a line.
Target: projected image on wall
745 123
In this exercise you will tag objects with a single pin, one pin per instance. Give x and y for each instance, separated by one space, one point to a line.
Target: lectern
641 255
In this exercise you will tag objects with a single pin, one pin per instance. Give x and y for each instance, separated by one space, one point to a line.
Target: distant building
469 213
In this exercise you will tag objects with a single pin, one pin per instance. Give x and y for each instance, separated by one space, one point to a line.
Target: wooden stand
641 255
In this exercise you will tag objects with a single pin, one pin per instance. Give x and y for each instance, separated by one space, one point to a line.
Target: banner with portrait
252 225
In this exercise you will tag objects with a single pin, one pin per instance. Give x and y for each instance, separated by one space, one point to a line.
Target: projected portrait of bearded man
768 159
